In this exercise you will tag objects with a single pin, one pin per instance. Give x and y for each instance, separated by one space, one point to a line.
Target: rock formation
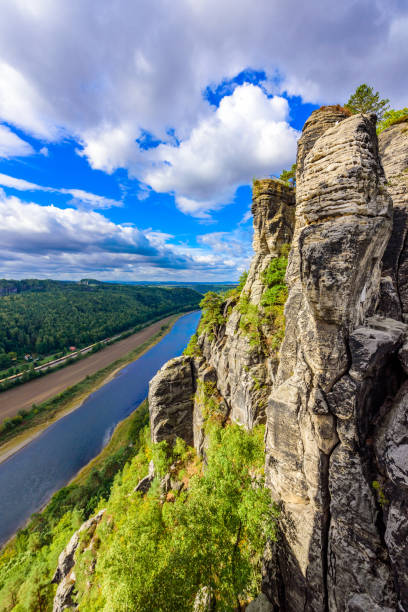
171 401
335 398
393 145
65 573
243 372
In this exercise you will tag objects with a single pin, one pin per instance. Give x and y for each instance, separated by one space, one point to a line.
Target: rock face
244 373
64 574
317 124
241 374
393 145
171 394
335 399
323 403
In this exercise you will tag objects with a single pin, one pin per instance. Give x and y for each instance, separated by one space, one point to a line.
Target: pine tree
364 100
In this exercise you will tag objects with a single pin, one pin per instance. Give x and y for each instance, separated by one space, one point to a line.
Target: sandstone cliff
335 397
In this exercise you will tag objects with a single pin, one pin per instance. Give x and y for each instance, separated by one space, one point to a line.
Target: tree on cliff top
289 176
364 100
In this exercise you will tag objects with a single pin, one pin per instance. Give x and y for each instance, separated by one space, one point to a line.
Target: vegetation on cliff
391 117
153 551
254 319
366 100
158 550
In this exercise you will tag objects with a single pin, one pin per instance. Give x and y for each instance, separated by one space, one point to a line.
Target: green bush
212 317
391 117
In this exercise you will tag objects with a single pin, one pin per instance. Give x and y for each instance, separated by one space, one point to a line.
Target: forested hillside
52 316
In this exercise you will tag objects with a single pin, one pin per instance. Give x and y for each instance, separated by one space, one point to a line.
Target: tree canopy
365 100
289 176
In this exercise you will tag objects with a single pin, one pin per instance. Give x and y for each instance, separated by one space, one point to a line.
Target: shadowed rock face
393 145
343 223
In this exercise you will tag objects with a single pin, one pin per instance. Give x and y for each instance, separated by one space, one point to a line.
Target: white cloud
104 72
12 145
80 198
246 136
46 241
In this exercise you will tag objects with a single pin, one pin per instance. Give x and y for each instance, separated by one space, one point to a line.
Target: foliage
365 100
153 552
207 395
193 349
28 563
289 176
156 554
391 117
242 280
383 501
272 305
212 317
251 320
65 314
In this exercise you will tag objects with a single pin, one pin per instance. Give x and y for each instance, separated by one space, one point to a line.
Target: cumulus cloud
80 198
104 74
246 136
12 145
68 243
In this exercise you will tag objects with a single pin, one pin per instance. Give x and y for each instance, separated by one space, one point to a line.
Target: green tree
392 116
158 555
289 176
212 316
365 100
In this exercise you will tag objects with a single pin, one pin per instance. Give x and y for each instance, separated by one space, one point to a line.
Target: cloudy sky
130 132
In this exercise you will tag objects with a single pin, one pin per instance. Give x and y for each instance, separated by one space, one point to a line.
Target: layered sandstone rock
171 395
64 575
336 402
244 371
393 145
338 374
316 125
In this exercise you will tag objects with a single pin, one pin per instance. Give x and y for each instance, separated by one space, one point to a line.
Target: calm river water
31 476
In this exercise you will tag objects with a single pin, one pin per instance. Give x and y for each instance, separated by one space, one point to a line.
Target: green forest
44 317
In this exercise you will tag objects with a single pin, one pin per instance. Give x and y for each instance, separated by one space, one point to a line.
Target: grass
43 414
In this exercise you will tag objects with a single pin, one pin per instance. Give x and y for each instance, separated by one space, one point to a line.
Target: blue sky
130 132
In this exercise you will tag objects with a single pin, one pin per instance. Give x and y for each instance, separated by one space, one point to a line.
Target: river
30 477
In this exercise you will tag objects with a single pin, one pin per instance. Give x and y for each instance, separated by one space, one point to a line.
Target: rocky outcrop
244 371
335 398
171 401
393 145
315 464
65 575
240 373
315 126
